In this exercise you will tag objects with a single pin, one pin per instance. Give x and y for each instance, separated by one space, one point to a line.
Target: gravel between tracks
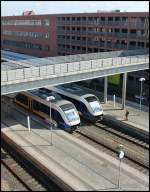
9 182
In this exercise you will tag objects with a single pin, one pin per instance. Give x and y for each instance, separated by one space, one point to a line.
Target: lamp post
141 79
120 156
49 99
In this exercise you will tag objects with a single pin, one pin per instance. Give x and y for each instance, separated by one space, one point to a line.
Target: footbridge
30 73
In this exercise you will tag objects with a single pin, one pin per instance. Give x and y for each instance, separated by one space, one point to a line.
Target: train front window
71 115
95 105
70 112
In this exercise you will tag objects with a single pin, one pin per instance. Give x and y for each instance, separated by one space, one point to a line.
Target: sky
9 8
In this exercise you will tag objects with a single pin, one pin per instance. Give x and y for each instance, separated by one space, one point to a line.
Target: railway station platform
137 119
70 162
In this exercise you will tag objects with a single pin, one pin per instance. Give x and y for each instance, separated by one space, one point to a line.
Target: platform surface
78 164
136 118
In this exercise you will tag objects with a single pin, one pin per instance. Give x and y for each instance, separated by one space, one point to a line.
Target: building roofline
136 14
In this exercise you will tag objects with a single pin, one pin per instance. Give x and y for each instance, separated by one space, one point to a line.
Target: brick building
64 34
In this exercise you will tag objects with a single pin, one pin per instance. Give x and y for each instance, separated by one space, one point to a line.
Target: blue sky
51 7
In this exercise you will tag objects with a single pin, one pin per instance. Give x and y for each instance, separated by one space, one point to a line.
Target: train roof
44 93
72 88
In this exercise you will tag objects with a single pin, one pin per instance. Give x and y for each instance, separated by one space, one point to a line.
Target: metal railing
105 34
97 44
80 64
104 23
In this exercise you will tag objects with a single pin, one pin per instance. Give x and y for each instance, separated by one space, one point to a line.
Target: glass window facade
30 22
36 35
27 45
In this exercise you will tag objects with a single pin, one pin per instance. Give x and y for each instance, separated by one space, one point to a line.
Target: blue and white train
63 113
88 105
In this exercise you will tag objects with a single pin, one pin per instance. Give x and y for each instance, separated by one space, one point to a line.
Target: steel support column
124 84
105 88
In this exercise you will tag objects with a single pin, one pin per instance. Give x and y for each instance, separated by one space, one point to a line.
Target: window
102 18
141 44
22 98
95 49
146 82
90 18
131 78
84 18
110 18
36 35
22 44
133 31
45 22
46 48
117 18
137 79
44 108
22 22
124 19
124 30
143 19
117 30
133 43
36 105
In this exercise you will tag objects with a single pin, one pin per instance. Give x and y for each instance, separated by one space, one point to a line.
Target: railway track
28 182
136 155
24 171
123 135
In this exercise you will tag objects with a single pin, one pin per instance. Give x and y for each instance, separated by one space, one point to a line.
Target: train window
65 107
40 107
22 98
91 98
36 105
44 109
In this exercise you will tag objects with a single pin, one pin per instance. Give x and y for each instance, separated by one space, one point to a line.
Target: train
88 105
63 113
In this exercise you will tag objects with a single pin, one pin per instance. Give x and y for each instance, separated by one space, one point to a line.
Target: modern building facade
64 34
